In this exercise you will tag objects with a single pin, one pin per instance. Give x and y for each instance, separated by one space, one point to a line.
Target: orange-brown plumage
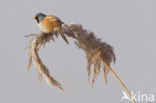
51 24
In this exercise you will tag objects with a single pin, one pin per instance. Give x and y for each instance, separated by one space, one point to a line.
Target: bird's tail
62 34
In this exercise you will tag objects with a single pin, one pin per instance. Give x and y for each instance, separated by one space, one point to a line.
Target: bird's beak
34 18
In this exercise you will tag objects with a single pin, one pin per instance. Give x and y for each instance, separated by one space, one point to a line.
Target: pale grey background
128 25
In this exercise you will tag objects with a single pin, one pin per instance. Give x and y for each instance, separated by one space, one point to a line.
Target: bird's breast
42 28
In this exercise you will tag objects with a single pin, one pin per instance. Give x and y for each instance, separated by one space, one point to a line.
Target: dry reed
96 50
42 70
98 53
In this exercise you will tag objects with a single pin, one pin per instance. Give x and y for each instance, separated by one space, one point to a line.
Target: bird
50 24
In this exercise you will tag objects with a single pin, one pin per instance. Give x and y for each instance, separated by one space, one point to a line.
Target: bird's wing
53 18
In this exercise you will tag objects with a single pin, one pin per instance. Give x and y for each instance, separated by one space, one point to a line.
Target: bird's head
39 17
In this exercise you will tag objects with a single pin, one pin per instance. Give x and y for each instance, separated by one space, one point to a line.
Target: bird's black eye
37 19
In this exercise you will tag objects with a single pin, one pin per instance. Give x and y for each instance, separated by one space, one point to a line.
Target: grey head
39 17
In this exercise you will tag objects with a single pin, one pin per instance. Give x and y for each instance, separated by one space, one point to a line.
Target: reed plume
98 54
34 46
96 50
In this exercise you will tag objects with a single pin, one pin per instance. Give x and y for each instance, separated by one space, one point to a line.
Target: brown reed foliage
97 53
42 70
96 50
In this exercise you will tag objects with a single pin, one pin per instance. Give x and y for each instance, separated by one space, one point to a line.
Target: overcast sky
128 25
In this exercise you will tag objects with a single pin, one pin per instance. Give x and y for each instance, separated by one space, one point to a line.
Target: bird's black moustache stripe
37 19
